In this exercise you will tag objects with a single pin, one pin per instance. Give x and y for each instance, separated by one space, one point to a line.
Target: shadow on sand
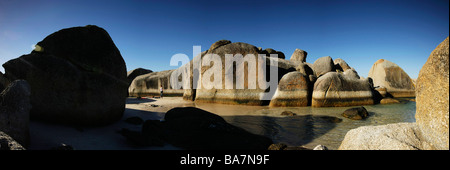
133 100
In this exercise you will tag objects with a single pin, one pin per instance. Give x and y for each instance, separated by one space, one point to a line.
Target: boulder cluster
324 83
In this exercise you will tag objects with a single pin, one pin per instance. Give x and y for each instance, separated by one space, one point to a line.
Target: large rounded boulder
336 89
432 108
389 75
77 76
293 90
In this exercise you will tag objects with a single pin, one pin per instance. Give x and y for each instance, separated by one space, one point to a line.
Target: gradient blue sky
148 33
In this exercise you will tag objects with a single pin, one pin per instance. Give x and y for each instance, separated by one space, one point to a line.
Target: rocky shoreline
77 77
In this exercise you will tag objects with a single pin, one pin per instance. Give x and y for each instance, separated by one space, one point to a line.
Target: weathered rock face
335 89
341 64
131 75
269 51
77 76
432 90
235 95
397 82
8 143
299 55
15 111
293 90
398 136
351 73
149 84
193 128
323 65
218 44
432 121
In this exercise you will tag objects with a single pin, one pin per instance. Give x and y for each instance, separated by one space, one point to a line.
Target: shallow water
311 126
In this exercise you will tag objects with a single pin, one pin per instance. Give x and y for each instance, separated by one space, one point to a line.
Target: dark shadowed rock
323 65
8 143
356 113
193 128
299 55
3 82
15 111
77 76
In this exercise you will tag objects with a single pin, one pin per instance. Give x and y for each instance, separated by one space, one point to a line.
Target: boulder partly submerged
77 76
335 89
389 75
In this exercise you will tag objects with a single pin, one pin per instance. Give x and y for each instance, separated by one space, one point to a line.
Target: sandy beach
46 136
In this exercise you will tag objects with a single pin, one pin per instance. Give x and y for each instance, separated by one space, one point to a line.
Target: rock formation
356 113
336 89
3 82
131 75
149 84
323 65
299 55
432 106
293 90
77 76
430 131
8 143
393 78
15 111
341 64
235 95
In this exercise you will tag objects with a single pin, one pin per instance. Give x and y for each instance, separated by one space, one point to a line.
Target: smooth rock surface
334 89
389 75
293 90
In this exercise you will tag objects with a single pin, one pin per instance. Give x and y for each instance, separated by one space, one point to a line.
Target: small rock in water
356 113
288 113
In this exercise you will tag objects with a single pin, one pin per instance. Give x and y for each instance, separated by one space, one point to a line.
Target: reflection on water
312 126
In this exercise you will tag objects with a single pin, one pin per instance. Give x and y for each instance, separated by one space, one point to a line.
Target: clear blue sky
148 33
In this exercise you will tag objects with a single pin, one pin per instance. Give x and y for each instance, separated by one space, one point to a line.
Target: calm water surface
311 126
